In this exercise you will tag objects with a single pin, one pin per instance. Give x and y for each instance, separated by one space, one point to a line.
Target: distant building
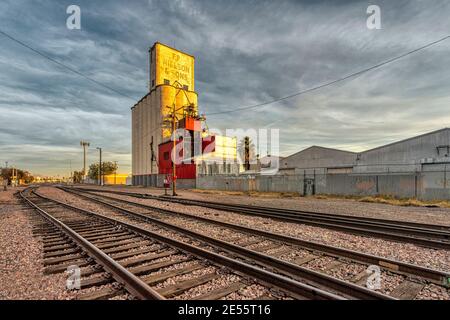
115 179
430 150
418 167
423 152
317 159
222 160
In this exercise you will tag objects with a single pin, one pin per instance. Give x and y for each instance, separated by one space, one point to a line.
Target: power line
239 108
334 81
66 66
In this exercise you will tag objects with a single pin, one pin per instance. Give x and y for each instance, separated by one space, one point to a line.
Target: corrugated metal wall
430 184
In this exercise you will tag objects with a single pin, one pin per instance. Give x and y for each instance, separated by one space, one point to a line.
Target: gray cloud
246 52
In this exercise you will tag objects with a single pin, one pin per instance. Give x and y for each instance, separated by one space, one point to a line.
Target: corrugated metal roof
408 139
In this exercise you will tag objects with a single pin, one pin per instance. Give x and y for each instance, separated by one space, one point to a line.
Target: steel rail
432 275
292 270
273 209
386 230
293 287
131 283
424 226
380 224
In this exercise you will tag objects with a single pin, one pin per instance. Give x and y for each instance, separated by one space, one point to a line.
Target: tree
252 150
107 168
6 174
78 176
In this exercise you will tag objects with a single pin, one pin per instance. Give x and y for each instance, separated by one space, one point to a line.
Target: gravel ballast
332 206
21 276
404 252
389 281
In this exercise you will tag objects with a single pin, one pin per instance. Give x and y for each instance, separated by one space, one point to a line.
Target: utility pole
172 118
100 168
174 166
85 145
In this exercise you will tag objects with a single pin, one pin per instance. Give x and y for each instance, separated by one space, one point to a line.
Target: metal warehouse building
430 150
318 160
417 167
421 153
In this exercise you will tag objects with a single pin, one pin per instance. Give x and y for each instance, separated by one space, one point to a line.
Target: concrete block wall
279 183
226 183
157 180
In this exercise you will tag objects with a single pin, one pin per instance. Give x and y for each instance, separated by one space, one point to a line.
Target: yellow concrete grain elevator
171 84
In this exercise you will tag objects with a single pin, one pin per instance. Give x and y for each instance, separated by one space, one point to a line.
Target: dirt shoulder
21 267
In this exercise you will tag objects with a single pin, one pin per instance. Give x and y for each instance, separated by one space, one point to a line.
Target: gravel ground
347 271
249 293
432 291
21 276
221 282
177 266
389 281
192 275
438 259
21 261
333 206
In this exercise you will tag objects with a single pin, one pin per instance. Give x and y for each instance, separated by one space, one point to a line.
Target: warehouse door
308 187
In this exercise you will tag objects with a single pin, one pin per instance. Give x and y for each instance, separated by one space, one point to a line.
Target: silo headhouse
171 96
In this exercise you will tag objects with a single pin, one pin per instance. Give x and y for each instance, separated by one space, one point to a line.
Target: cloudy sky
247 52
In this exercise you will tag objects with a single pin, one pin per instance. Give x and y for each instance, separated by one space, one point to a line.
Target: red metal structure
188 149
183 170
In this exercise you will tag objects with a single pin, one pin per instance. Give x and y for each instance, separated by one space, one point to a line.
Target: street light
100 168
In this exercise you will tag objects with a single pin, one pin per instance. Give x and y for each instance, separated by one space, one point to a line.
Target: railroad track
427 235
119 258
415 278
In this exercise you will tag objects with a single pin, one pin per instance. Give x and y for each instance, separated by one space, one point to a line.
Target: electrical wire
331 82
65 66
327 84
